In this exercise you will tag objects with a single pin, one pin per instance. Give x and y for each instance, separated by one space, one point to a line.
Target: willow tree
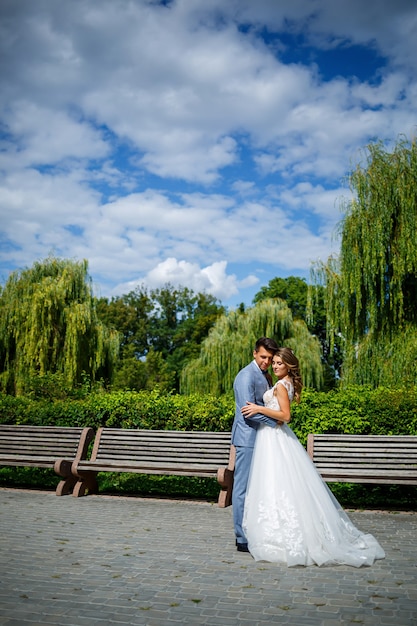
371 288
48 325
230 343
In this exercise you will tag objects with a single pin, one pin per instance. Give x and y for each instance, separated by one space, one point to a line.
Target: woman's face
278 367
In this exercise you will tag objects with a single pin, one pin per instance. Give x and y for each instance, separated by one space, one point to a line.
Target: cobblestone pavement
102 560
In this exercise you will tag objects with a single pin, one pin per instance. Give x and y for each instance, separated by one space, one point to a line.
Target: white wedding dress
290 514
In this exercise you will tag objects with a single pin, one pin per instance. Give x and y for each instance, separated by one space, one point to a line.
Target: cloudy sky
203 143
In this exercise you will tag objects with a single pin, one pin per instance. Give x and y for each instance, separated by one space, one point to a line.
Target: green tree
149 373
371 288
292 289
161 329
49 325
229 347
183 319
130 316
296 294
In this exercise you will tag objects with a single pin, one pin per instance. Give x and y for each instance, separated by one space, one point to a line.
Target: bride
290 514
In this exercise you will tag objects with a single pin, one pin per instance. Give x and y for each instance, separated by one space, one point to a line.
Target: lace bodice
270 399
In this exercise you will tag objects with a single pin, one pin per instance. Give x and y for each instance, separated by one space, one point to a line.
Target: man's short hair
267 343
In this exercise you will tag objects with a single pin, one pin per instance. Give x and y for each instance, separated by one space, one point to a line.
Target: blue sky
202 143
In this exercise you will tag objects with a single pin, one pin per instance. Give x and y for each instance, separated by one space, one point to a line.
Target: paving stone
102 560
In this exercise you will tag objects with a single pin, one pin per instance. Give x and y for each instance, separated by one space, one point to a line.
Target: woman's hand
251 409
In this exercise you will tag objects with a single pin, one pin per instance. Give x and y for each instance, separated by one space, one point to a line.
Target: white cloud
212 279
173 140
193 163
46 136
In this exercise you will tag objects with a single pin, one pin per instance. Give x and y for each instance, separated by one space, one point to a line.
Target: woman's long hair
288 357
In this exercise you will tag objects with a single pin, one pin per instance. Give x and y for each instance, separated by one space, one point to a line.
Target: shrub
356 410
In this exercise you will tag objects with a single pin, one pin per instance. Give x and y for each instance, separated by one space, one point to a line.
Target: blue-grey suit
250 385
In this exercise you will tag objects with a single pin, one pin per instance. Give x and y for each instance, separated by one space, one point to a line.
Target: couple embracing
282 509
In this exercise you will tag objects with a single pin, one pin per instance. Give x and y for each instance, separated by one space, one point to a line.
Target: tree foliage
48 324
129 315
161 330
229 347
291 289
371 288
295 292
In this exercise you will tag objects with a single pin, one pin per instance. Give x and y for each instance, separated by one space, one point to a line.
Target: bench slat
52 447
346 471
370 450
47 446
164 452
382 459
176 435
145 464
173 457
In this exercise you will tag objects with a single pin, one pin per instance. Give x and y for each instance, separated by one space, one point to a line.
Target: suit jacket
249 385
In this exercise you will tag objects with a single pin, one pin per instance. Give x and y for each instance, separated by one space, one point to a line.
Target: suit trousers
241 475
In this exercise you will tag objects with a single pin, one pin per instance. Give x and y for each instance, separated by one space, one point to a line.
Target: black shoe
242 547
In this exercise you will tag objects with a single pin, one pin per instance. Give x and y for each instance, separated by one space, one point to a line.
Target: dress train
290 515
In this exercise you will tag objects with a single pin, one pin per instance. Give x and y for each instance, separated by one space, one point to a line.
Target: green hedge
356 410
359 410
123 409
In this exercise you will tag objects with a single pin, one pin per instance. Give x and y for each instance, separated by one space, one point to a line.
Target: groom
250 385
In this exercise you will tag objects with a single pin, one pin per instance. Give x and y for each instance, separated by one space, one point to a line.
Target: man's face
263 358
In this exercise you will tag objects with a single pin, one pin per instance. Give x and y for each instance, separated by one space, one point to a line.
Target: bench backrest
183 451
366 458
45 443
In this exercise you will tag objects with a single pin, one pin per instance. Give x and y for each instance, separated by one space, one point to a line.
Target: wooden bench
163 452
47 447
382 459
